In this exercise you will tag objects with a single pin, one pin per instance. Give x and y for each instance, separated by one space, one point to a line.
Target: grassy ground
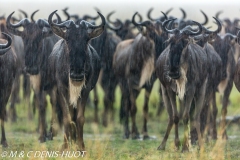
107 143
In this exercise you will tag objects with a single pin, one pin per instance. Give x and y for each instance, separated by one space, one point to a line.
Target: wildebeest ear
58 31
237 76
93 33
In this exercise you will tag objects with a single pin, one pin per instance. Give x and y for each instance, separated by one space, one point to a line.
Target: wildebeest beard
174 59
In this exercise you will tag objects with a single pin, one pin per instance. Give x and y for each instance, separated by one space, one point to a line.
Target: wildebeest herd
65 59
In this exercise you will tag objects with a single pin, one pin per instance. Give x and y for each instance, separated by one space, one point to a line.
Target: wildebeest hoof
50 136
104 123
42 139
4 144
135 136
185 149
177 144
161 147
126 136
146 137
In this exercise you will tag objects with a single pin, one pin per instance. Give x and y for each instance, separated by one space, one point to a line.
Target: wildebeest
74 65
7 74
237 71
133 65
38 42
125 32
214 77
17 47
105 45
224 46
181 69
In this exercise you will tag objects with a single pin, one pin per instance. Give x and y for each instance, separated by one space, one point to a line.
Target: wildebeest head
162 18
224 45
7 46
178 42
207 35
125 31
147 28
33 34
77 37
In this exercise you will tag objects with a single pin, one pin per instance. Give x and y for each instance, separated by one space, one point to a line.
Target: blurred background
126 8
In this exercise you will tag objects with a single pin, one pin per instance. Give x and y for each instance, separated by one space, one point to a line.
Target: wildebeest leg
193 131
133 96
80 121
125 108
199 100
214 117
148 90
27 93
108 106
224 109
109 100
168 106
188 98
2 117
53 100
42 116
161 104
95 100
66 119
14 98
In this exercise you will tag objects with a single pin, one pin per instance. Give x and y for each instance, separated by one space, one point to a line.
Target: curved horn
59 20
165 15
165 23
12 27
115 28
66 13
85 17
218 29
139 23
184 13
33 16
189 32
133 20
6 47
206 18
140 17
24 13
97 9
99 26
19 24
56 27
149 15
61 25
218 13
93 30
108 17
168 11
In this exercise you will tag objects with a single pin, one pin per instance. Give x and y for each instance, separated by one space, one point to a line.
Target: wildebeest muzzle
76 76
32 70
174 74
